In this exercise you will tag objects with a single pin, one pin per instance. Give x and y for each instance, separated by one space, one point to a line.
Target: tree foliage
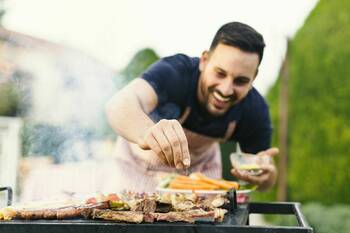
139 63
319 107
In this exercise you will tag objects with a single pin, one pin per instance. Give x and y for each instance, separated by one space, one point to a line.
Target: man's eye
241 81
220 75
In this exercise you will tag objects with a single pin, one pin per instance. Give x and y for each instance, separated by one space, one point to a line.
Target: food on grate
118 216
7 213
190 216
66 212
130 207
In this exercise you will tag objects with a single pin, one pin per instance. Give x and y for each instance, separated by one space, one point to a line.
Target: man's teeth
219 97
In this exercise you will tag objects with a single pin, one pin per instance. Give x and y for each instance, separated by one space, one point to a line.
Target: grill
236 220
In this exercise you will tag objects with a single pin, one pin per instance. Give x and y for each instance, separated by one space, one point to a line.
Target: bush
319 90
323 219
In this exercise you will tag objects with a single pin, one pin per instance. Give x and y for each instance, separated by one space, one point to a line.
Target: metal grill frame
236 220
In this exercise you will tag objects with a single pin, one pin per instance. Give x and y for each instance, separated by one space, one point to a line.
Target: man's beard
206 105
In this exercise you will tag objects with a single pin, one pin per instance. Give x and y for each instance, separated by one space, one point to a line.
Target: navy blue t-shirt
175 81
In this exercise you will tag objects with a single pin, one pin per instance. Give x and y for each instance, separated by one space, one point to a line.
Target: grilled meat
219 214
186 216
149 206
118 216
67 212
30 214
132 207
212 202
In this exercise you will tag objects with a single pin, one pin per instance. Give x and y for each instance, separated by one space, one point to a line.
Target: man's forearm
127 116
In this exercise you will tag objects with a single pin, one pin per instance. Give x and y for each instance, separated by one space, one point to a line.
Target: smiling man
175 115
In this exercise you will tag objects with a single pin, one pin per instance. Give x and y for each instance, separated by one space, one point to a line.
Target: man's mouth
221 98
220 101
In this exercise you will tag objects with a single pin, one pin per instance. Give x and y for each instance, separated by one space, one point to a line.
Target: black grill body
236 220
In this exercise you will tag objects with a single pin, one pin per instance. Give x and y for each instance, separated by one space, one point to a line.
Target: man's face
227 75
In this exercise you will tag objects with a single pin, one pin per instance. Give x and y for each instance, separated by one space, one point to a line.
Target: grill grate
236 220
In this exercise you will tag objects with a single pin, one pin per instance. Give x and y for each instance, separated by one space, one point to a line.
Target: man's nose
226 88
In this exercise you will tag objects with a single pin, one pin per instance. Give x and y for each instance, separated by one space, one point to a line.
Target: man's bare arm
127 110
127 114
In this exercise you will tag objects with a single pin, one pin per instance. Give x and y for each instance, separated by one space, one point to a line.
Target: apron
141 170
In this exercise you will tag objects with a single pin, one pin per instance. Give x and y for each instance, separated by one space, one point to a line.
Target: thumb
272 151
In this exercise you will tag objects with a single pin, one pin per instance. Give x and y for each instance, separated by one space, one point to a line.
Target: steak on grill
118 216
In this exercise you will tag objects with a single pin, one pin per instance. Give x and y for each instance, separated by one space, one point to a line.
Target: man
176 113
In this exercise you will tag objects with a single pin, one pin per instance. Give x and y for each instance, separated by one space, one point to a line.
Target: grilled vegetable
221 184
198 181
118 205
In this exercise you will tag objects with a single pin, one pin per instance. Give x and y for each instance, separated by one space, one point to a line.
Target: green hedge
323 219
319 107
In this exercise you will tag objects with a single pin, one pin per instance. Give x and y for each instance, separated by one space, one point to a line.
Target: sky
113 31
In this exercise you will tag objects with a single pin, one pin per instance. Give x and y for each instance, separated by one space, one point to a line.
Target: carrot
233 184
195 182
198 181
190 186
222 184
184 178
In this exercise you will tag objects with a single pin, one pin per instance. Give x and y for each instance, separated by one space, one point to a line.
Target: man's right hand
168 140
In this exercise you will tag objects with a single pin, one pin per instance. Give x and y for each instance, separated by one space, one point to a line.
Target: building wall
9 153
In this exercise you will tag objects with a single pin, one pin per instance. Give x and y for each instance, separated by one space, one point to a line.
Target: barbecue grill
236 220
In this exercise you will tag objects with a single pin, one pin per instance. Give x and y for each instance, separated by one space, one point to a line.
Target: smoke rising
62 93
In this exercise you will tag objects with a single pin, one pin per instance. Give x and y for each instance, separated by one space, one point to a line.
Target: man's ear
203 60
256 73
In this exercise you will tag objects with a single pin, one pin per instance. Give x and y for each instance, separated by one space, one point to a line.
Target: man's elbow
111 107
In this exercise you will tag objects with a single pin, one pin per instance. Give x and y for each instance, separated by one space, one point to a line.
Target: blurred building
60 84
9 153
60 89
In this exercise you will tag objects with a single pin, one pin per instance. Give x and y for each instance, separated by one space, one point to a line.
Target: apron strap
184 116
229 131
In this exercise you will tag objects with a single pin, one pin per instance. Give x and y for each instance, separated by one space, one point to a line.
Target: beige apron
140 170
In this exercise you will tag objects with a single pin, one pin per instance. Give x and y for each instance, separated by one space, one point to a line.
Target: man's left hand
268 176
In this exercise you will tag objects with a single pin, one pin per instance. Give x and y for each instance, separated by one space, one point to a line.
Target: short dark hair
240 35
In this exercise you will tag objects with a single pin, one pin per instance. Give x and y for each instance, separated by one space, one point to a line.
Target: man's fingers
244 175
267 167
164 144
271 152
186 158
168 140
175 145
155 147
265 157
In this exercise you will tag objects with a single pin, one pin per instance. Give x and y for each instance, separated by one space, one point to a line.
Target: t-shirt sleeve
259 138
166 76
